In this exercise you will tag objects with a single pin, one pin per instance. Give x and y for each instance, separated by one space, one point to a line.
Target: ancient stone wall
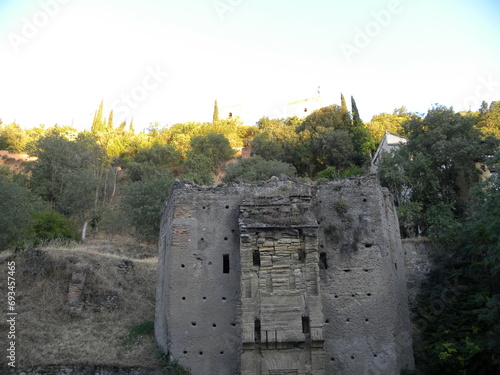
283 277
418 264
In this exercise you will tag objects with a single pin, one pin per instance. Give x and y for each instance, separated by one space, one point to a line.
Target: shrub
256 169
340 206
198 168
146 328
332 173
143 202
51 225
215 147
17 207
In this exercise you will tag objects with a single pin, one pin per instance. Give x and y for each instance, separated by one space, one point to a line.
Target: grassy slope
118 295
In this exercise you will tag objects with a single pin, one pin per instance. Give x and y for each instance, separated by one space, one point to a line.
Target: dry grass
119 293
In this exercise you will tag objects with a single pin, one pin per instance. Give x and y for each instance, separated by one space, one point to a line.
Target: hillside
14 161
118 277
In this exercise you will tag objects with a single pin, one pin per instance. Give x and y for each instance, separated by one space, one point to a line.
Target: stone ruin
282 277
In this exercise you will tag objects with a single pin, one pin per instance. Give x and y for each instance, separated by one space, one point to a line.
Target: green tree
334 116
256 169
489 120
437 166
276 140
98 124
51 225
216 112
71 175
13 138
215 147
462 336
143 202
356 119
391 122
345 111
343 103
18 206
269 147
150 161
361 137
199 169
110 125
332 148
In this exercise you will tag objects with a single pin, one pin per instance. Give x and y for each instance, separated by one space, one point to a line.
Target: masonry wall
212 303
363 280
196 317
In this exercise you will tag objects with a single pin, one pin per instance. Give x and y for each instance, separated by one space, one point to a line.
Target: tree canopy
436 168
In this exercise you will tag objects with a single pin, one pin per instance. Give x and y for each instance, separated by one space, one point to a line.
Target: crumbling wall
198 291
283 277
282 317
418 264
363 280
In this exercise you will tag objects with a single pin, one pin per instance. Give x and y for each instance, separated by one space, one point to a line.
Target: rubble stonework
283 278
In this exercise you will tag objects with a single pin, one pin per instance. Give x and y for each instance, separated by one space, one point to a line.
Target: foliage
143 202
12 138
198 168
489 120
332 173
361 137
171 367
391 122
150 161
58 159
18 206
341 206
215 147
459 307
216 112
332 148
256 169
146 328
331 117
277 139
437 167
175 368
51 225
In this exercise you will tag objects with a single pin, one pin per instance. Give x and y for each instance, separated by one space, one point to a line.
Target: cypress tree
216 112
98 123
131 126
346 116
356 119
361 137
343 104
110 121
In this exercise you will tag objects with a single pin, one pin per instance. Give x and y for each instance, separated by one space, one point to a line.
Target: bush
332 173
146 328
143 202
213 147
17 207
51 225
198 168
256 169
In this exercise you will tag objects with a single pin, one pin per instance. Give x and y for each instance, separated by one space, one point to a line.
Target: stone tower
283 278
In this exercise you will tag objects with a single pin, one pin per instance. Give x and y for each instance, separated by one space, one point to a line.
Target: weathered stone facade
283 278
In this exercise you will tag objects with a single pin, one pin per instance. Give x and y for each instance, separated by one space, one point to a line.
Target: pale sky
166 61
